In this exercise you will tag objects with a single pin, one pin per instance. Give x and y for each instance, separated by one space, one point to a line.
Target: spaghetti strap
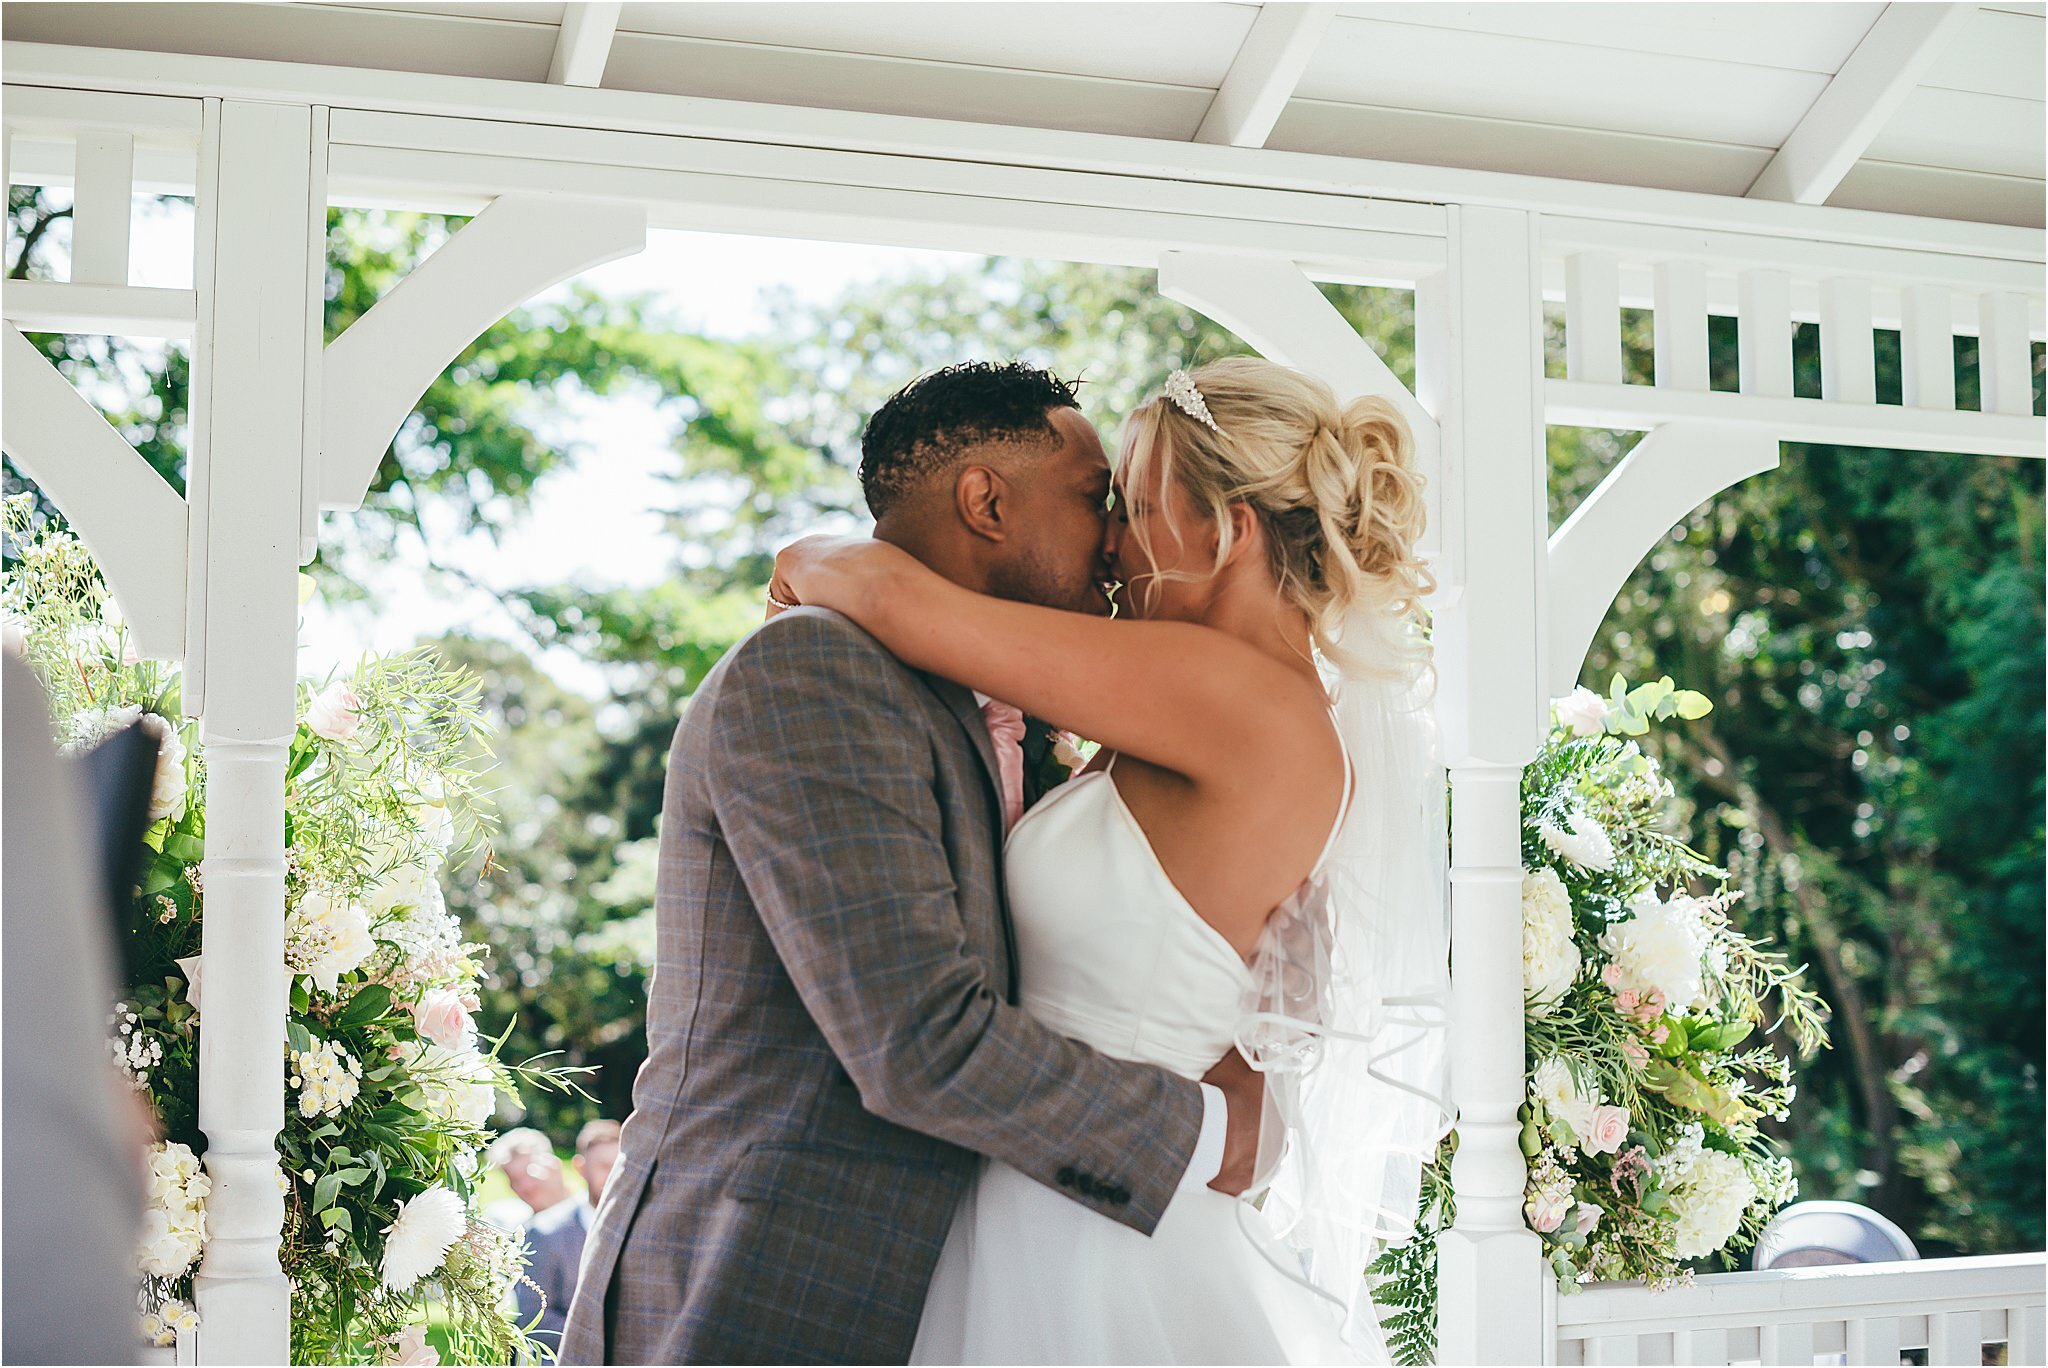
1344 807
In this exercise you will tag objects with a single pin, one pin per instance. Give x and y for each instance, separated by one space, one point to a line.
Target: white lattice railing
1951 1308
1770 284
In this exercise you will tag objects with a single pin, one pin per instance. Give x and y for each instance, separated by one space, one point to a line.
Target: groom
832 1024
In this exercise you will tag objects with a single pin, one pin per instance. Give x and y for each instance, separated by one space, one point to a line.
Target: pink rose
443 1019
1587 1217
411 1349
1626 999
1608 1131
1656 1001
1546 1211
1635 1053
1661 1034
1611 976
335 712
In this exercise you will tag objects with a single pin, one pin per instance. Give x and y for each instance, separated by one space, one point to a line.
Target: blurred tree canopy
1869 625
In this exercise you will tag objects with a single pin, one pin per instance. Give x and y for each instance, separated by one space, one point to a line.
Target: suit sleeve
822 780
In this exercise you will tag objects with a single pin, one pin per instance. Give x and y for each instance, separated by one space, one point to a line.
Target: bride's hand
831 572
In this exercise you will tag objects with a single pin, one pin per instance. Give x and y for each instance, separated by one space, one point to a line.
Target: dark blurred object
116 778
72 1142
1816 1234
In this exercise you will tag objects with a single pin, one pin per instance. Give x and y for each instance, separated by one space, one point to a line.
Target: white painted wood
1848 356
1928 349
1763 333
585 42
198 482
1948 129
1787 1342
99 229
1804 37
1699 1344
1637 408
1874 1340
1267 68
857 213
1905 41
2027 1336
313 413
377 370
252 458
1490 361
1997 53
1592 318
1278 310
2005 357
1672 471
158 171
122 509
152 120
1941 193
1604 1349
175 74
109 310
1681 325
1952 1338
1444 71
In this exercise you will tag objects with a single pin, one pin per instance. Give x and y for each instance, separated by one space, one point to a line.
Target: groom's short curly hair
931 422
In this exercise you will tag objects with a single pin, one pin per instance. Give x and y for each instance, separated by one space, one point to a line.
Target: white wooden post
249 382
1480 362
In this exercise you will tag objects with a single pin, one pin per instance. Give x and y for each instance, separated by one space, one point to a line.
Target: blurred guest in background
597 1149
527 1159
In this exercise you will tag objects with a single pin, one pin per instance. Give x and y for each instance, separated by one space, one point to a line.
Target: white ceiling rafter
1871 86
1269 65
585 42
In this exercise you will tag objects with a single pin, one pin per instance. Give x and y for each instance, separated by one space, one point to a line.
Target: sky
594 522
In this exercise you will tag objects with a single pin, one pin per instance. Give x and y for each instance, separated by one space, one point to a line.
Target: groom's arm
823 788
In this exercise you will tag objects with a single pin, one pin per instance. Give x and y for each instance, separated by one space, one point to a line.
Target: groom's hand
1244 1091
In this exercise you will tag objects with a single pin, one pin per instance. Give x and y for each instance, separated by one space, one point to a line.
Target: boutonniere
1054 756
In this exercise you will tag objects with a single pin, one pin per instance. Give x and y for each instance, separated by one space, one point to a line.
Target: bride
1252 859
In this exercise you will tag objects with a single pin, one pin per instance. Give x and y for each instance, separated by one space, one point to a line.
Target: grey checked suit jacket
832 1033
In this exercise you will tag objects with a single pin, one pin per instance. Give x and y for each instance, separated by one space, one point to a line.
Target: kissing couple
959 1056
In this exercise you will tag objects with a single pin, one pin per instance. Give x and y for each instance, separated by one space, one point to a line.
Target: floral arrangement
1650 1058
390 1091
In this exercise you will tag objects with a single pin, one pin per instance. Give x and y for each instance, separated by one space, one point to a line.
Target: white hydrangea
1583 841
1550 954
1664 946
327 937
417 1240
1710 1202
1680 1156
327 1077
174 1224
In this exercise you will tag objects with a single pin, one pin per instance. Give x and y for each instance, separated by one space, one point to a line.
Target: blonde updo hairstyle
1334 486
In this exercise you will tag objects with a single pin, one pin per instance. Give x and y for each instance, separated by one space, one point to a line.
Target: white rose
331 937
1661 946
1584 711
1554 1087
405 886
456 1083
1550 955
189 966
412 1350
1710 1202
335 712
436 824
1585 843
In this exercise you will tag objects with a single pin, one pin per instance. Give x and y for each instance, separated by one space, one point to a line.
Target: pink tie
1006 730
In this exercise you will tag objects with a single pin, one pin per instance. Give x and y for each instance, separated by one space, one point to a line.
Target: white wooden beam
375 372
1638 408
130 517
1849 114
54 306
1670 472
584 43
1269 65
461 99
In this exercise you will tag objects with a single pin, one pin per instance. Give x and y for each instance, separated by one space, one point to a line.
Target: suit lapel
960 702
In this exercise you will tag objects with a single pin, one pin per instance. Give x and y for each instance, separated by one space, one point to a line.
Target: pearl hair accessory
1180 388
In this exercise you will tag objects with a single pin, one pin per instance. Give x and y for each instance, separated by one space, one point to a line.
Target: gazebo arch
268 122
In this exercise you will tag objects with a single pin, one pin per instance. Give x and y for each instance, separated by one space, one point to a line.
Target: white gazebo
1858 165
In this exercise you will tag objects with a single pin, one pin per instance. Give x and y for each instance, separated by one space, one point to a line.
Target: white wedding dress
1110 953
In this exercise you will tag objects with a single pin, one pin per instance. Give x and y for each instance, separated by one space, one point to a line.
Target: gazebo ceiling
1682 96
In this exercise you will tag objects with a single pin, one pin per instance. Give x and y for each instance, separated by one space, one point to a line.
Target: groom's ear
982 498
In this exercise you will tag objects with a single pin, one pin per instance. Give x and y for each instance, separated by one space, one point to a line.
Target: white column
249 397
1481 360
